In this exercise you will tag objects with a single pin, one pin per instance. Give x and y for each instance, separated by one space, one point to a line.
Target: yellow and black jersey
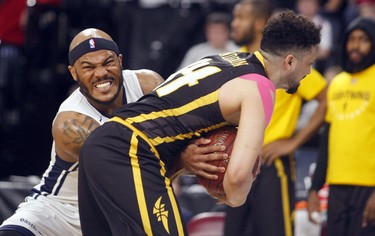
186 104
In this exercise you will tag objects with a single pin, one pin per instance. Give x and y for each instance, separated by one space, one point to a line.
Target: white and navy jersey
60 180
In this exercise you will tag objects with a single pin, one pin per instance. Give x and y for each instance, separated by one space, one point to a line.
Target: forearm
311 128
320 173
236 191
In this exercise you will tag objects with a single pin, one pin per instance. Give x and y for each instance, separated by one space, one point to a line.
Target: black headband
91 45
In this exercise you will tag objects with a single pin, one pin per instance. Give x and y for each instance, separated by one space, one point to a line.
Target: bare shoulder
237 93
70 130
148 79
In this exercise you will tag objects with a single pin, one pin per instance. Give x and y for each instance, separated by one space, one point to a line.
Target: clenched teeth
102 85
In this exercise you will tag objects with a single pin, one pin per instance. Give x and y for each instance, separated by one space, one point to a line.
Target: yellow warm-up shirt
351 112
288 106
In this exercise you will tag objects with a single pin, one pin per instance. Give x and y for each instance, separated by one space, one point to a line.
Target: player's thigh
127 179
44 216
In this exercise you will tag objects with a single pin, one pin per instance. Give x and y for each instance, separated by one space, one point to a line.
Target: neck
254 45
271 62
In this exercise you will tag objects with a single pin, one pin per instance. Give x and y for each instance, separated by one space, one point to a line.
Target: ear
120 59
290 61
73 72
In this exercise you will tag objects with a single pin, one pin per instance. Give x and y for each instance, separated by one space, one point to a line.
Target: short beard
293 86
244 42
248 39
292 90
87 94
364 63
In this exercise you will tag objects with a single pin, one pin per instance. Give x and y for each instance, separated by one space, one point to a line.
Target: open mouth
103 85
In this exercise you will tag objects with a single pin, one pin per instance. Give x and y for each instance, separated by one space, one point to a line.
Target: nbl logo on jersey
92 43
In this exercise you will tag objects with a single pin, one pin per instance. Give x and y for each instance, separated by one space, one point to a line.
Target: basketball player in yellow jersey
272 198
350 133
123 187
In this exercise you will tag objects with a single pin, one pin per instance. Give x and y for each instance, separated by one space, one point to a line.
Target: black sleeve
320 173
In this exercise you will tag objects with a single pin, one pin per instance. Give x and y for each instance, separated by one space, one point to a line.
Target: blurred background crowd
155 34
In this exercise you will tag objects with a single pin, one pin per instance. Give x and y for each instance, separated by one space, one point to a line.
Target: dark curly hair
288 32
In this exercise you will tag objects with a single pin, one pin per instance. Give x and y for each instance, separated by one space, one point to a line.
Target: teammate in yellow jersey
349 145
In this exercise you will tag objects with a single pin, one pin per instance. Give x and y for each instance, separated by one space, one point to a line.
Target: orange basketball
223 136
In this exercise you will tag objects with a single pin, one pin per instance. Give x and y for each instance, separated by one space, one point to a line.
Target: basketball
223 136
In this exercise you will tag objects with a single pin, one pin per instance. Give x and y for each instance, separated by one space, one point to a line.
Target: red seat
207 224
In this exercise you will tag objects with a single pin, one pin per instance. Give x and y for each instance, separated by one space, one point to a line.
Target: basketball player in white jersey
96 65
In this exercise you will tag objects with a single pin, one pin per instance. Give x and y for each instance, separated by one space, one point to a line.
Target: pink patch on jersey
265 86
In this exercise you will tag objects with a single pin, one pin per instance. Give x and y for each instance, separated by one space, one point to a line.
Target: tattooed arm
70 130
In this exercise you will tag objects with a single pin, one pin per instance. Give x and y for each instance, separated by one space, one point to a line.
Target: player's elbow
236 201
239 186
236 198
237 177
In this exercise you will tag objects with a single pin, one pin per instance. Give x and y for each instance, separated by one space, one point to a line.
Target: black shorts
271 199
123 189
346 204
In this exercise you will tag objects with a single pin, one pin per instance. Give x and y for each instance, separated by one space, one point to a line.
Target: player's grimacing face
99 75
301 68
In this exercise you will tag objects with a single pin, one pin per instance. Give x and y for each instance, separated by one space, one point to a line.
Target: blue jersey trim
17 228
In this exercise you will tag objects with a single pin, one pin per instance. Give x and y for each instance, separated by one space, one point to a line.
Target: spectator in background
347 158
339 13
279 5
311 8
249 19
366 8
272 196
217 33
13 20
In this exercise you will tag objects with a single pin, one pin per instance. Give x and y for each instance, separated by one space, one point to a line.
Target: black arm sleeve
320 173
